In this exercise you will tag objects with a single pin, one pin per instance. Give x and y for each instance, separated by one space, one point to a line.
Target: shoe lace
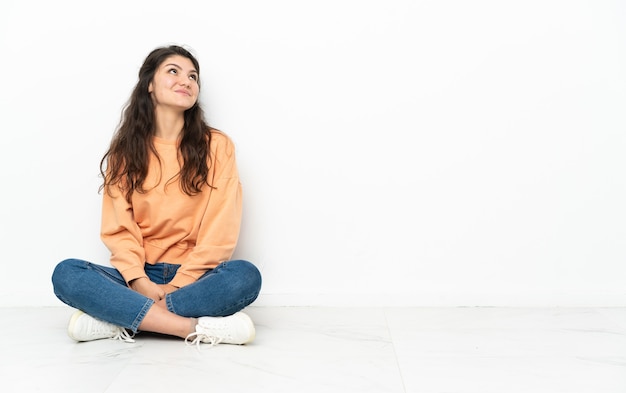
197 338
123 335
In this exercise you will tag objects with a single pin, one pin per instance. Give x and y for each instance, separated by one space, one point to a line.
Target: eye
193 77
173 71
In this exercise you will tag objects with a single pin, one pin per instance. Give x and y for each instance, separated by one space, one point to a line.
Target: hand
147 288
168 288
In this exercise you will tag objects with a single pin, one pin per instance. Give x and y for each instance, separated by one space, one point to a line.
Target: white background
427 153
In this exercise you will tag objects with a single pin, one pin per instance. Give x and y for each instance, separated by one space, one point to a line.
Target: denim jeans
101 291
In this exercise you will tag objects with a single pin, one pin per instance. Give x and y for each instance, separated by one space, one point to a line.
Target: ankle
192 325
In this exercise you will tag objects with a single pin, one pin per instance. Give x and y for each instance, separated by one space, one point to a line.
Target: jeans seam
135 326
101 272
238 305
169 304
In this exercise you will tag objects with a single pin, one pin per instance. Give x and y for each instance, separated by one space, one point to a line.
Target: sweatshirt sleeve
219 229
121 235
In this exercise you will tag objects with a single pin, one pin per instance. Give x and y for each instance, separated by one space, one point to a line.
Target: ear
150 88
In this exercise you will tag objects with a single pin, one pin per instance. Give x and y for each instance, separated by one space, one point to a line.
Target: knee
249 275
66 267
65 273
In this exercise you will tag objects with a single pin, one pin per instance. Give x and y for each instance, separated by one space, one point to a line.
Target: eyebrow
180 68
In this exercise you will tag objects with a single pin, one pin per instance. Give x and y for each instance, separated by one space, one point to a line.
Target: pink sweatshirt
166 225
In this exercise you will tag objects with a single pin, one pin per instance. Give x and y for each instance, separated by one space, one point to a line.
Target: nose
184 81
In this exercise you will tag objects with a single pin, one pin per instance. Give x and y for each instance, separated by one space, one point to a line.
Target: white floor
324 350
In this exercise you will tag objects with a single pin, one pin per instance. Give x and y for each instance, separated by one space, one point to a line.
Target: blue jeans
101 291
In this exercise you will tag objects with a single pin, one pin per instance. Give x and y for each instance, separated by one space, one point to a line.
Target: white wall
417 152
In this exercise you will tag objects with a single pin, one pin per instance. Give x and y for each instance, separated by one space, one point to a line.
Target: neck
169 125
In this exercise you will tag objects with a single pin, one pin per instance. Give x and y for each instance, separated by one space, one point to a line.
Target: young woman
171 213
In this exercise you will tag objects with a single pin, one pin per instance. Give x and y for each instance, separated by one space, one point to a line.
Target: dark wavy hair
125 163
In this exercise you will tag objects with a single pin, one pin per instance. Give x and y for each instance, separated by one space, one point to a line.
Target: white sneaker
84 327
233 329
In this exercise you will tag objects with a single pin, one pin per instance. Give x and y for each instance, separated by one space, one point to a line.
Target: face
175 84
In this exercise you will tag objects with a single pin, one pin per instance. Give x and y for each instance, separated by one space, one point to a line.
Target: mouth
184 92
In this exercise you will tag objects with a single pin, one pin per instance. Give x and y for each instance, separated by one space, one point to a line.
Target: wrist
136 281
